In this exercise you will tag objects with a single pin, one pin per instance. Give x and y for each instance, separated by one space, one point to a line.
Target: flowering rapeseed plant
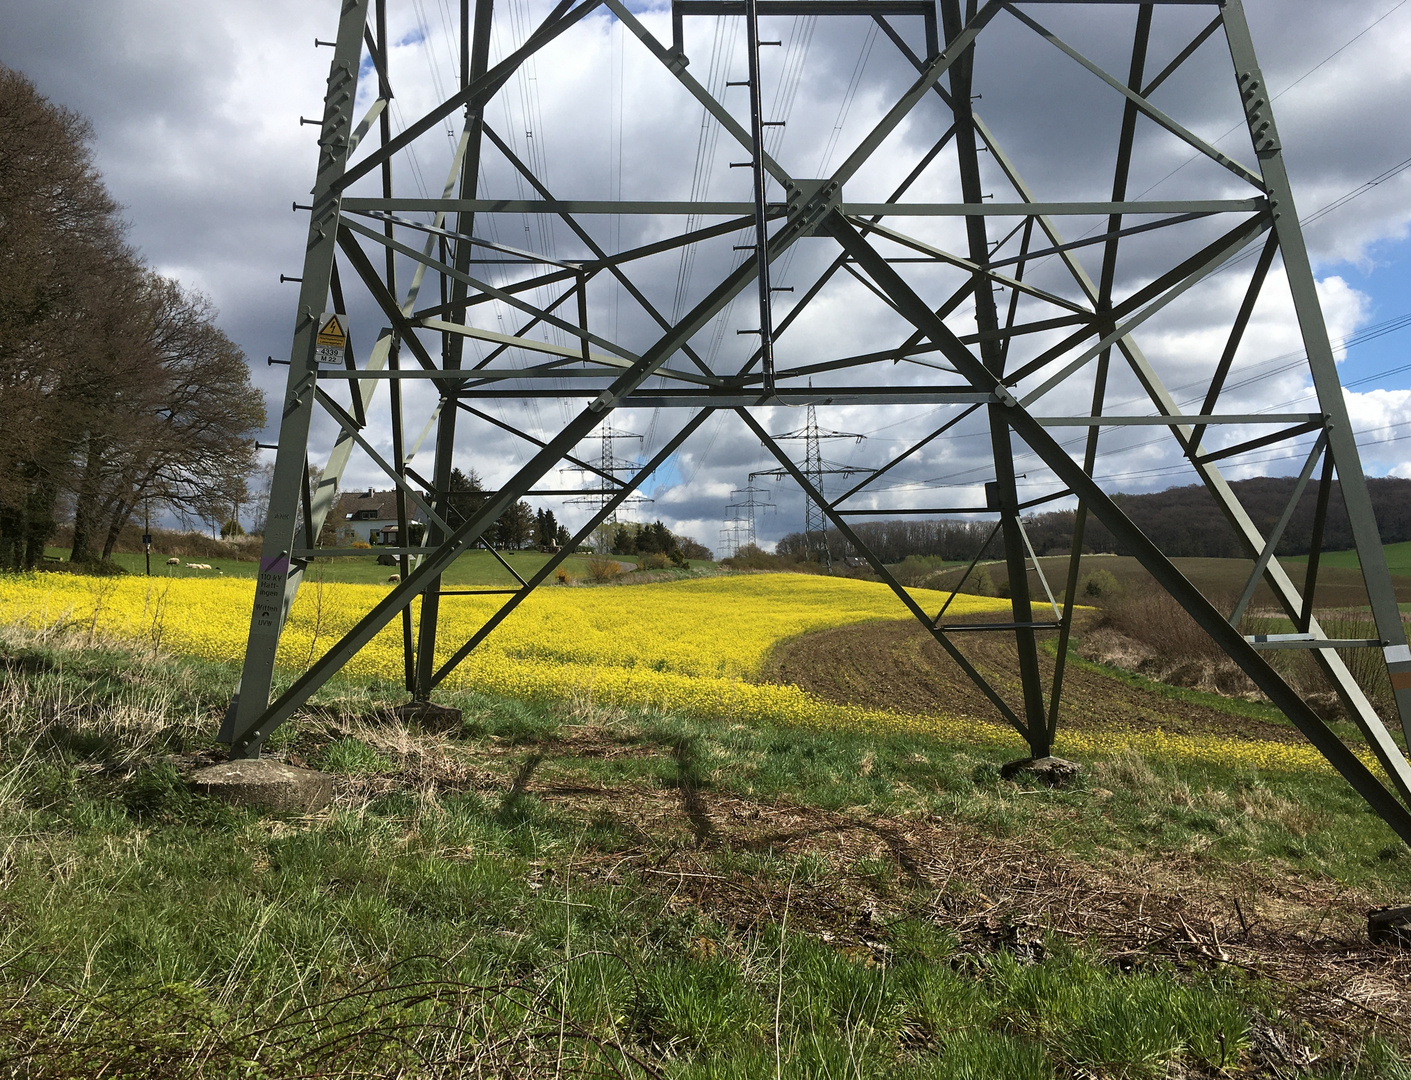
690 647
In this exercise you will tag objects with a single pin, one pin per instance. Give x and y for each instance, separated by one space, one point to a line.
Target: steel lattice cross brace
995 320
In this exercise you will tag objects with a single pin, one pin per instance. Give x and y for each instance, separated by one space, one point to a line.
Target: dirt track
897 665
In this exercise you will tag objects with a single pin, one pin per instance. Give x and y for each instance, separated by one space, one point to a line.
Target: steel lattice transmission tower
944 272
739 529
609 470
815 468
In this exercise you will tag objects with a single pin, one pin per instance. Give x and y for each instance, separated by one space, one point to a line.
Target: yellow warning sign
331 331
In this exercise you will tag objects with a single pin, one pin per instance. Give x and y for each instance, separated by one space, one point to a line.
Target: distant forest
1182 521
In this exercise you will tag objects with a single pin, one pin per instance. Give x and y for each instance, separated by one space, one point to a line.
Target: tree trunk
121 512
86 507
11 538
39 523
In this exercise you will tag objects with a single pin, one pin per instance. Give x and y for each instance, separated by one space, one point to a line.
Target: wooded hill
1182 521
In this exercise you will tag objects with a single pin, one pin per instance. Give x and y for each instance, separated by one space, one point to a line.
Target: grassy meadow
475 568
610 871
1398 558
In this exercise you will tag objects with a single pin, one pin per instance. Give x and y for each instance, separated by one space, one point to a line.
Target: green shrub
752 557
1099 584
980 583
915 569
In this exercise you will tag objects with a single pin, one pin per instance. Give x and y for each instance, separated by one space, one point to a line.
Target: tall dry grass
387 1024
135 718
1148 631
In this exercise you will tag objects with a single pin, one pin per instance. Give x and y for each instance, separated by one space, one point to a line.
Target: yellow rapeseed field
688 646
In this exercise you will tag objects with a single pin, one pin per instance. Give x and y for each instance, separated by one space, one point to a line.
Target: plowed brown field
897 665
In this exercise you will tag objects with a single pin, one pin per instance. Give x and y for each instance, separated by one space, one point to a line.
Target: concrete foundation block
265 784
1054 771
1390 926
428 716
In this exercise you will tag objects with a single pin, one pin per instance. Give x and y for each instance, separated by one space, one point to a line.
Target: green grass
474 568
691 564
1340 586
1398 558
916 568
543 894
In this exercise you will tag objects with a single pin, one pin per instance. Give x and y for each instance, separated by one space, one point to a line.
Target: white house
368 516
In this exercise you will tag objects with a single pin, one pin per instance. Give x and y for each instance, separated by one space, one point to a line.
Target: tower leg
1342 445
475 59
276 554
992 355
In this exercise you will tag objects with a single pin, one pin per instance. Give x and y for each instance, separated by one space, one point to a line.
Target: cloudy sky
196 109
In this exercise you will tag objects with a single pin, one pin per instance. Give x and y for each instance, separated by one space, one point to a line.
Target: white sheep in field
394 579
173 561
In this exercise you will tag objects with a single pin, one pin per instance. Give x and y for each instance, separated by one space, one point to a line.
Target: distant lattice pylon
608 467
744 511
816 467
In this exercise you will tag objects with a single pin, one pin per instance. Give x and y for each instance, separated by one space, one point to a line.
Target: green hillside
1398 558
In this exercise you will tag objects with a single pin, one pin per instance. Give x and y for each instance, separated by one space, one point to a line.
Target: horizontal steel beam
876 7
479 592
545 492
911 511
341 553
777 210
1308 641
563 369
1209 420
983 628
539 371
806 7
723 397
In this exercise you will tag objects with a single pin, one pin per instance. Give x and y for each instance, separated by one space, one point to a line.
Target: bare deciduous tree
117 385
60 249
186 441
